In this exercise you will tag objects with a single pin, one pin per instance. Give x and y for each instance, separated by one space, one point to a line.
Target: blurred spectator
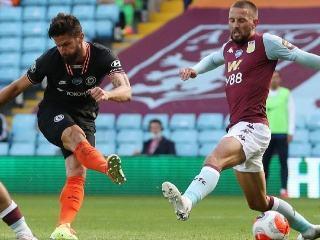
280 112
9 3
158 144
3 128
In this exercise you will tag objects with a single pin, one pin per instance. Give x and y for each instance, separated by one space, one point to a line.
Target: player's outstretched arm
14 89
206 64
121 93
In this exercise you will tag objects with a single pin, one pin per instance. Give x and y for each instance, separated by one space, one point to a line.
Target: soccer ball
271 225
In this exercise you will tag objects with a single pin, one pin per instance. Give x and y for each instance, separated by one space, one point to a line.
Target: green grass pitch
150 218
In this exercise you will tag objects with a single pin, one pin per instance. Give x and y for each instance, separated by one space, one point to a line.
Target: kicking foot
181 205
63 232
114 169
310 234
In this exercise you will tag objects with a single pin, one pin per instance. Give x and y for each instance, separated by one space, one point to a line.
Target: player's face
69 47
275 80
241 24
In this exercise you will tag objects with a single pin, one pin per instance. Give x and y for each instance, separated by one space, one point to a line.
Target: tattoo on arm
119 79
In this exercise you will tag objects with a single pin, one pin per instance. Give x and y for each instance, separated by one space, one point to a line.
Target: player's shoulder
100 50
50 55
270 38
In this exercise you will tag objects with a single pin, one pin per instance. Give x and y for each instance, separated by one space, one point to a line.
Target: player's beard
73 58
243 38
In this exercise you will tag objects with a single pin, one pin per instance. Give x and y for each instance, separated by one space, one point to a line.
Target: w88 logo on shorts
234 78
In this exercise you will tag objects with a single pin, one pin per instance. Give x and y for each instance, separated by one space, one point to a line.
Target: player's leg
254 188
227 154
267 157
11 215
75 140
71 198
283 156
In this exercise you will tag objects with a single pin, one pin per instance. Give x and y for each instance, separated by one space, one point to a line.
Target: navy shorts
52 121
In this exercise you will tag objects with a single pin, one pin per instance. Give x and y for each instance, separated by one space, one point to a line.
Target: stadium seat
92 2
34 2
50 43
34 13
22 149
299 150
24 135
54 10
108 12
10 44
210 121
300 121
314 137
128 149
8 14
163 117
34 44
206 149
315 151
187 149
38 28
301 136
130 136
148 135
8 74
104 28
105 136
23 121
4 148
313 123
106 148
89 28
84 12
9 59
29 58
182 121
184 136
47 149
129 121
8 29
105 121
60 2
210 136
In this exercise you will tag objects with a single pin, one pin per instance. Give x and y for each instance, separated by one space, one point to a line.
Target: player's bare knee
71 136
76 171
258 206
212 160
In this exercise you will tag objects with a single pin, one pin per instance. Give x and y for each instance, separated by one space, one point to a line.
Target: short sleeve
111 62
37 71
279 48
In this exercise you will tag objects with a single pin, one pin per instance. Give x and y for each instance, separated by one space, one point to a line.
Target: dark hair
155 121
246 4
64 24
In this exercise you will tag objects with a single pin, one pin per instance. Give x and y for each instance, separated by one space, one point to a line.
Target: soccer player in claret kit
250 59
74 70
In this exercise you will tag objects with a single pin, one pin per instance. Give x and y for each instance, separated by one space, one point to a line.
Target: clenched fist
186 73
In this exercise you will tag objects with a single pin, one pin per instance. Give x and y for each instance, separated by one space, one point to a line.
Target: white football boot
26 237
182 205
310 234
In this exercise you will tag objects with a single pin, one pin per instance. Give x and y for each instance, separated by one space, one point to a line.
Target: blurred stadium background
194 114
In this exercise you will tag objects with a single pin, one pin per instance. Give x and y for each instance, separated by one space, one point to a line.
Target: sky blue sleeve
278 48
210 62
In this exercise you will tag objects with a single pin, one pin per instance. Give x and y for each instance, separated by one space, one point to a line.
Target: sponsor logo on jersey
287 44
230 50
116 63
238 53
62 82
91 80
76 81
58 118
251 46
233 66
33 67
77 94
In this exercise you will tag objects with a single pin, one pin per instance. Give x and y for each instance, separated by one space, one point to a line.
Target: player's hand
290 138
186 73
98 94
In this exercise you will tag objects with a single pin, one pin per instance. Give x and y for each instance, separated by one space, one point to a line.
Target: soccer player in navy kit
250 59
74 70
